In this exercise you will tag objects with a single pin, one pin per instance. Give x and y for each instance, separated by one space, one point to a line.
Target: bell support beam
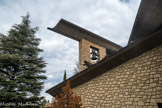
77 33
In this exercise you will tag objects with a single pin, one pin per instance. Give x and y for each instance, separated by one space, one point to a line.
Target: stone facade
134 84
84 52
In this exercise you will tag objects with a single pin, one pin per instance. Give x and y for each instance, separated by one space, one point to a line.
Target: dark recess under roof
148 20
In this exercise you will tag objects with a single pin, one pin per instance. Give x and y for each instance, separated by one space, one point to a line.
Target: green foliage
43 103
21 68
64 76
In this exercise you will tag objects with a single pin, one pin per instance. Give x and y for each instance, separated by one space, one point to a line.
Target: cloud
124 0
111 19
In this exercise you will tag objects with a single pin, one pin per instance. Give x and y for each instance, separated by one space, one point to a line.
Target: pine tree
67 99
21 67
64 76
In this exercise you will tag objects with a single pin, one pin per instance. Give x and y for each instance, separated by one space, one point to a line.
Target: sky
111 19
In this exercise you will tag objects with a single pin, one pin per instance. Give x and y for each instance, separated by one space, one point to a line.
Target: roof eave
125 54
77 33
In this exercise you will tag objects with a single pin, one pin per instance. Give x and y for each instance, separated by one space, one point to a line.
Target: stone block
140 103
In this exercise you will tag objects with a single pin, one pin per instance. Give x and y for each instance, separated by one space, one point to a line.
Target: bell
94 55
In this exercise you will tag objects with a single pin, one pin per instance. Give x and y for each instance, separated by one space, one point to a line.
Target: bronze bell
94 55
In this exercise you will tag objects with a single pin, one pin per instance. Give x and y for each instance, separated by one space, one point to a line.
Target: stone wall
134 84
84 53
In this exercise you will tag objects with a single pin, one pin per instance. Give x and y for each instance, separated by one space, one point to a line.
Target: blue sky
111 19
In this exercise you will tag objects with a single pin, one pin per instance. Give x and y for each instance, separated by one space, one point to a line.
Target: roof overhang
125 54
77 33
148 20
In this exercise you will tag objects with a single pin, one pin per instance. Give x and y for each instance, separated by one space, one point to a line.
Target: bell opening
94 54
